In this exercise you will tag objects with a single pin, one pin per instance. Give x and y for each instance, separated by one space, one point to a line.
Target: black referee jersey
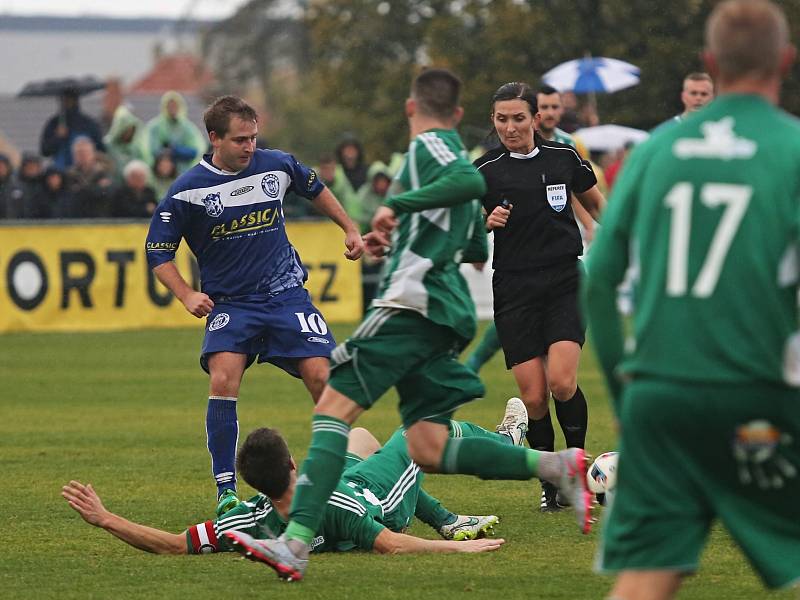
541 229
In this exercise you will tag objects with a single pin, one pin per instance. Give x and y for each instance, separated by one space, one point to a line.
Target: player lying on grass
373 504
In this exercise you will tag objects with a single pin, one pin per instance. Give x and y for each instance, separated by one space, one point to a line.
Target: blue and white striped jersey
234 224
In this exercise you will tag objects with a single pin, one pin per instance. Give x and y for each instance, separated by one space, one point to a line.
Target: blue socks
222 431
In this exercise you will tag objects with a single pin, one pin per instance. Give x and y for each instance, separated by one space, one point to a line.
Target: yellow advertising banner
94 277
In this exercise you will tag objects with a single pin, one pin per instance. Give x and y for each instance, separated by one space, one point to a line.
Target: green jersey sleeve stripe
397 494
437 148
340 500
411 161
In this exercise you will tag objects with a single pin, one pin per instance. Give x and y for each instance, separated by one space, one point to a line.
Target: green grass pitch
125 411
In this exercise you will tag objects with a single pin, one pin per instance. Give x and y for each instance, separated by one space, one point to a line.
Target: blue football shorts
280 329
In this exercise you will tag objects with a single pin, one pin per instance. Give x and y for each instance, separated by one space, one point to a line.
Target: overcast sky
196 9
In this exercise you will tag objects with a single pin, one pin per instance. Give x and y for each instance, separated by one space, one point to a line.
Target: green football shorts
394 347
692 453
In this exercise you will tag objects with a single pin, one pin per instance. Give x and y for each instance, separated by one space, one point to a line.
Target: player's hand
384 220
499 217
86 502
198 304
479 266
355 245
376 244
482 545
757 450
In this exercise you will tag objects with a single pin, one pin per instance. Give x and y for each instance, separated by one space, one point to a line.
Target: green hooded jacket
179 135
368 199
122 152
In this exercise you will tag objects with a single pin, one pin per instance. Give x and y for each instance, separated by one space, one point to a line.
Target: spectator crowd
79 173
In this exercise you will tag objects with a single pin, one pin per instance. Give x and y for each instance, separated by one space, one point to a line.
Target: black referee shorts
536 308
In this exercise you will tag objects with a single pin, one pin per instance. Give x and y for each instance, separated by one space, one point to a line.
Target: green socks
485 350
488 459
318 476
465 429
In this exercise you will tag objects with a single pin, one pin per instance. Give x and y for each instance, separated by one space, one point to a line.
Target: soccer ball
602 475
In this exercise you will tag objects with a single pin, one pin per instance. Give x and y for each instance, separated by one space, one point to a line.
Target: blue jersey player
228 208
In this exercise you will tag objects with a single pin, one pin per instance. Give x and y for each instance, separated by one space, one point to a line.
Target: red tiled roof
180 72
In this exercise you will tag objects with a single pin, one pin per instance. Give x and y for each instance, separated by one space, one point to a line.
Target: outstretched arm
460 183
328 205
389 542
88 505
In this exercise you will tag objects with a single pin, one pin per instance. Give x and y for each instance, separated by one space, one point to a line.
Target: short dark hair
546 90
264 462
437 92
698 76
218 116
516 89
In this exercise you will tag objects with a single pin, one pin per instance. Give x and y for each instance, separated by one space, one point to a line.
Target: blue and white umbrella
592 75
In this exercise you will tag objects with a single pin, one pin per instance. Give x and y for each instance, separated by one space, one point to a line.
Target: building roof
92 24
183 73
50 47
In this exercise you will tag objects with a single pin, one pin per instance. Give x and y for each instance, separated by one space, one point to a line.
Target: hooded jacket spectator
350 155
173 131
165 171
126 140
372 194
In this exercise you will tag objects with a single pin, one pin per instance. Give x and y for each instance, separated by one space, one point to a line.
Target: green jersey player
422 317
377 496
708 409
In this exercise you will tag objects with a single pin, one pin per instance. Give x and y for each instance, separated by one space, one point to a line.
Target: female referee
536 268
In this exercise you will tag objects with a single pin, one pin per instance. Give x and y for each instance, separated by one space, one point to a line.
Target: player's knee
224 383
533 391
362 443
535 400
564 388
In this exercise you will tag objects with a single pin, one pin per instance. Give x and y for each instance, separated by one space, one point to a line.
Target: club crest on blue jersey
213 204
271 185
219 321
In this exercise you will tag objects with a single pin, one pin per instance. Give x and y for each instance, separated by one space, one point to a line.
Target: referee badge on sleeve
557 196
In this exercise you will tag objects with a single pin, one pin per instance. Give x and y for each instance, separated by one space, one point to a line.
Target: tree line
328 67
